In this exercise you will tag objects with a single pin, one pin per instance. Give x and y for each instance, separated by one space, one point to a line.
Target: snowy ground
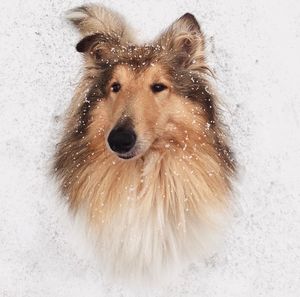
254 48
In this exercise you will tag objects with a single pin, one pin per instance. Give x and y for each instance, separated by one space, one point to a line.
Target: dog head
145 97
135 100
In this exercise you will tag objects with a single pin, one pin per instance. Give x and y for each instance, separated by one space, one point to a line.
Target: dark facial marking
96 94
192 86
125 122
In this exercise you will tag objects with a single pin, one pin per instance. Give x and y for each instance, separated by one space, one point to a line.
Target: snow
253 47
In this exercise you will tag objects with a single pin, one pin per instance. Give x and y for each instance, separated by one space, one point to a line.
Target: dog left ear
185 41
98 46
101 28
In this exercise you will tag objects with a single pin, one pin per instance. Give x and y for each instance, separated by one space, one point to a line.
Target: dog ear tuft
185 40
190 21
101 28
91 19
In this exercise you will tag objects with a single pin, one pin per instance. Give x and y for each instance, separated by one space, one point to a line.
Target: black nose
121 140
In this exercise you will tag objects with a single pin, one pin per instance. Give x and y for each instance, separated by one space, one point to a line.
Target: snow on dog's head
144 154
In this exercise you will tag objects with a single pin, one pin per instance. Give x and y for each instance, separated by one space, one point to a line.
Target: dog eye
158 88
116 87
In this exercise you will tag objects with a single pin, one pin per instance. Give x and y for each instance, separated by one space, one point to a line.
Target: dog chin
136 152
130 155
126 157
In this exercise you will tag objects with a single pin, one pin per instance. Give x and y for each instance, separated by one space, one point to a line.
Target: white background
254 48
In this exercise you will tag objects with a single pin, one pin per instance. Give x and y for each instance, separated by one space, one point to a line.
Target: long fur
91 19
150 213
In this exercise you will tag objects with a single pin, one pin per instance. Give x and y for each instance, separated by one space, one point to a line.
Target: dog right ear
185 40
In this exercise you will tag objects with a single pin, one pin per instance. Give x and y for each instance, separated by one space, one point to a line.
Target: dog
144 158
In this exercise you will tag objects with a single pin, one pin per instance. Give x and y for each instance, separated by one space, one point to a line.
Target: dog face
137 109
142 111
144 97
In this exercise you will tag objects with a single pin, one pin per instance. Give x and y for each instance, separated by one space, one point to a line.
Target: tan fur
163 206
